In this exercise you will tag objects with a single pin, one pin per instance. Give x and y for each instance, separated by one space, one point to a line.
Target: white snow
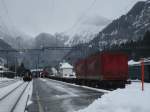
130 99
4 79
86 29
138 63
114 32
66 65
132 62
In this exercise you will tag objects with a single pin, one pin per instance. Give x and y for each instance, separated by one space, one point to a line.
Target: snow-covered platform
130 99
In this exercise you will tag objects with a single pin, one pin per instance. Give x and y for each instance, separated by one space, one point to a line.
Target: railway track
10 92
15 95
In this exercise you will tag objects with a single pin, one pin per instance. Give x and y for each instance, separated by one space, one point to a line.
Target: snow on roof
130 99
66 65
34 70
138 63
132 62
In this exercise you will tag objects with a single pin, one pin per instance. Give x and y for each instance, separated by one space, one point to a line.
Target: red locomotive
104 70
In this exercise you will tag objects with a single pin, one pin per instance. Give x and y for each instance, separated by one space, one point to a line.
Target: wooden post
142 74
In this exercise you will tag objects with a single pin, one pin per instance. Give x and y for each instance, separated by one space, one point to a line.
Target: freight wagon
107 70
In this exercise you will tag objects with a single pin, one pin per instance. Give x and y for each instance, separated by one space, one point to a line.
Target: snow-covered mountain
131 26
85 29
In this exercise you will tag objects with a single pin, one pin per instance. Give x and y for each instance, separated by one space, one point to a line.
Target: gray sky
36 16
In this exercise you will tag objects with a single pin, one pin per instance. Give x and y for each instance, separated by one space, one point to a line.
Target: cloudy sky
36 16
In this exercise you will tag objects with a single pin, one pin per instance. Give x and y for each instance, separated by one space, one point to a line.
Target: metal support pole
142 74
38 64
15 66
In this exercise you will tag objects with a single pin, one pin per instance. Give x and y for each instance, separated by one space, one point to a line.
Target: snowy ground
130 99
4 79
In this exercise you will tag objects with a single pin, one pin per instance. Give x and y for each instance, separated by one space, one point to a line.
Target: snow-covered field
130 99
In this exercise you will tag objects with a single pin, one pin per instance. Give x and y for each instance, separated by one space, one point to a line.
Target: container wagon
105 70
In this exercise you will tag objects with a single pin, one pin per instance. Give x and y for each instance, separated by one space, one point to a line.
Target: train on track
27 75
102 70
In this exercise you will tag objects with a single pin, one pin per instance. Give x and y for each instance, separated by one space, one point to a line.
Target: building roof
66 65
36 70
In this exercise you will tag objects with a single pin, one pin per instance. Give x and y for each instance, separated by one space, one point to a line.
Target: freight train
102 70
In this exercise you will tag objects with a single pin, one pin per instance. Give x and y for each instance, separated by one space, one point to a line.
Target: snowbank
131 99
4 79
